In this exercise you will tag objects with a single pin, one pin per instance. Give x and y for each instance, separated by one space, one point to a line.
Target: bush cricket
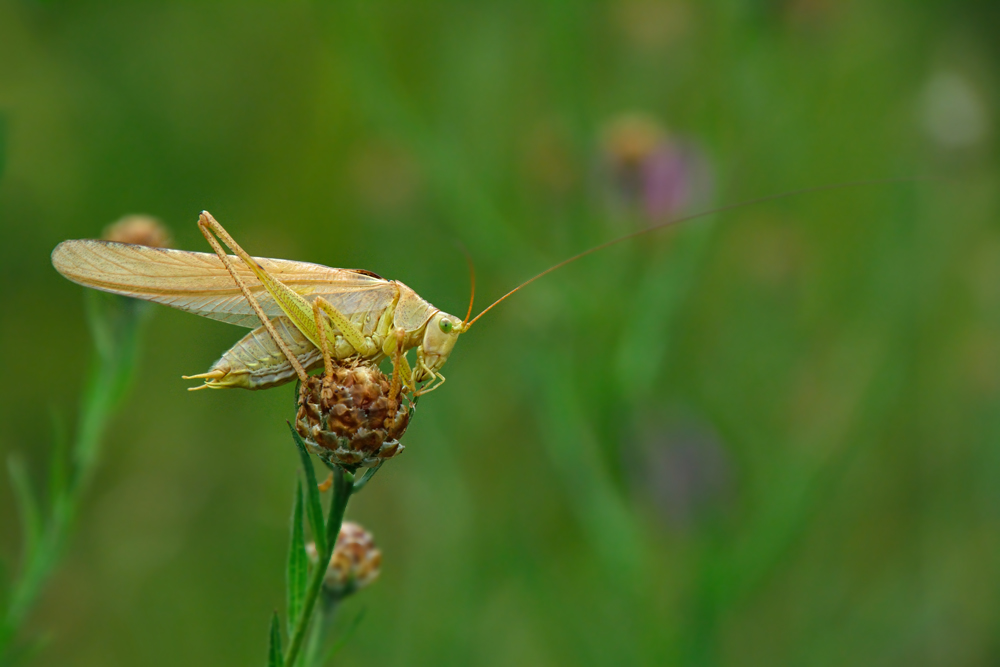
301 313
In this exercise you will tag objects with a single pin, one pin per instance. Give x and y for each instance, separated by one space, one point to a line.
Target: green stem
343 486
115 323
368 474
325 613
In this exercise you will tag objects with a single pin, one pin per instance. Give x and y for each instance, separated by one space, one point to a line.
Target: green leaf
27 504
313 506
274 645
298 564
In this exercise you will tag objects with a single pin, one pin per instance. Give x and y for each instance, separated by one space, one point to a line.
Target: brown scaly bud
355 562
138 230
350 417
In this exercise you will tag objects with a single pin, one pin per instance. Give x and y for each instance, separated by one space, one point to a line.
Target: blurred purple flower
649 172
685 472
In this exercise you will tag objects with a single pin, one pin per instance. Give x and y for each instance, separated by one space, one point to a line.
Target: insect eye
446 326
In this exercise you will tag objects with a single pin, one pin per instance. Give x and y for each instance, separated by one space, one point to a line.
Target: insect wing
197 282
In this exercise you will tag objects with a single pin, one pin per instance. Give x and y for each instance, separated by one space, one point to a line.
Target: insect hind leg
207 224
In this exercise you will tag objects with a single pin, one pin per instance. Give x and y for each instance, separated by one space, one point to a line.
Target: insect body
363 315
256 361
303 313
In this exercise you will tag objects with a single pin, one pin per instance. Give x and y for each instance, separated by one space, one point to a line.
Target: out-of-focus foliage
770 437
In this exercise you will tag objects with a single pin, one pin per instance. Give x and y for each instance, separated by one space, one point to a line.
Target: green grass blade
314 508
274 645
27 504
298 565
59 465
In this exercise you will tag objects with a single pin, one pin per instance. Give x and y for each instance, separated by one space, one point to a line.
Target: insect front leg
436 379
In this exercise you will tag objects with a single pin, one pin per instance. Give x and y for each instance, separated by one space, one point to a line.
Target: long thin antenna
472 282
668 223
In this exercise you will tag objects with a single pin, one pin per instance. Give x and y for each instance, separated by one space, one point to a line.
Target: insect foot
355 562
350 417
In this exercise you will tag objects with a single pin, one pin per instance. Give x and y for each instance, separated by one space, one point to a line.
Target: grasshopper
315 309
302 314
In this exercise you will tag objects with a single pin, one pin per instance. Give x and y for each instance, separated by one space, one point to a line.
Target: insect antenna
687 218
472 283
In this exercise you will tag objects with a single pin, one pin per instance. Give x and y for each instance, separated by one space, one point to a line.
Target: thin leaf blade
274 658
314 508
27 504
298 564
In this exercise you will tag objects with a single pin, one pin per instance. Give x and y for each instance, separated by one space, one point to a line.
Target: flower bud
349 418
355 562
138 230
650 171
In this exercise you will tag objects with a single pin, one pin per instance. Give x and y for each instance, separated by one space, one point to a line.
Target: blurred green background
768 437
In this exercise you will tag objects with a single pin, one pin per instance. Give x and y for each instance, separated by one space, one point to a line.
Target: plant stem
325 613
343 486
114 323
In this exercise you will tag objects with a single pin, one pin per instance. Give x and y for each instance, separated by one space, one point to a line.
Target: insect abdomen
255 362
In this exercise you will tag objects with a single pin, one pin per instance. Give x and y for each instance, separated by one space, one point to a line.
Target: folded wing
197 282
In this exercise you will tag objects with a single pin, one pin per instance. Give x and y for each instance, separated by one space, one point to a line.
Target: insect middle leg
324 341
402 376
